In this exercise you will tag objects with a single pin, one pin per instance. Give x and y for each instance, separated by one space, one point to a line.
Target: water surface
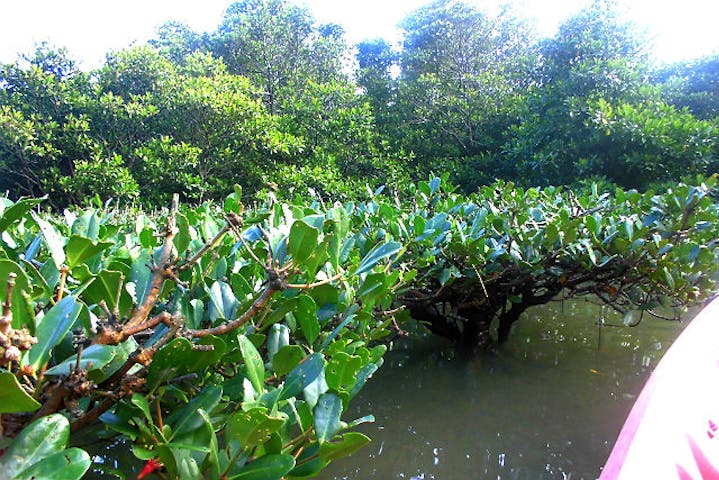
546 405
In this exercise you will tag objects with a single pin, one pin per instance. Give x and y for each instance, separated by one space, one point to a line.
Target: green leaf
669 279
182 238
419 225
87 225
13 398
42 438
141 402
268 467
170 361
302 241
18 210
93 357
327 416
79 249
58 321
53 240
70 464
362 376
213 456
187 419
372 288
21 316
377 254
253 427
107 287
302 375
309 463
349 443
287 358
629 228
279 337
141 276
339 232
254 364
306 315
121 352
341 371
178 357
223 303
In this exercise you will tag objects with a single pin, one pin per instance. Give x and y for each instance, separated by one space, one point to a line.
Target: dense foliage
220 344
224 343
270 100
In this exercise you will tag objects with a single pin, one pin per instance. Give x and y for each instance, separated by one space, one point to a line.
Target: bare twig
259 302
61 286
306 286
196 257
6 319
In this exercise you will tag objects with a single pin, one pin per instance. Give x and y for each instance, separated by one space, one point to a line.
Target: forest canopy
272 100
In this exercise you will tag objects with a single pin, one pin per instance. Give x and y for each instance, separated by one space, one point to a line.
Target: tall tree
45 133
693 84
591 110
278 47
461 75
375 61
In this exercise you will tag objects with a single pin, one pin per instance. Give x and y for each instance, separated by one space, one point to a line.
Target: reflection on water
547 405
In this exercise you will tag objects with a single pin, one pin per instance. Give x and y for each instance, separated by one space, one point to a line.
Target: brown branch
56 397
112 336
61 287
161 271
6 319
259 302
93 414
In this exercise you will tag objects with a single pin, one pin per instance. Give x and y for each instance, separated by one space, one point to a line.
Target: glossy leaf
268 467
70 464
377 254
58 321
40 439
223 303
253 427
302 375
287 358
327 417
13 398
107 287
80 249
93 357
341 370
187 418
306 315
21 317
53 240
302 241
17 211
348 444
254 364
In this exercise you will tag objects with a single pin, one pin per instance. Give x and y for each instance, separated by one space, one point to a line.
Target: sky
91 28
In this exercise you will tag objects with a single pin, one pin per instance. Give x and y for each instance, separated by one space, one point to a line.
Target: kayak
672 432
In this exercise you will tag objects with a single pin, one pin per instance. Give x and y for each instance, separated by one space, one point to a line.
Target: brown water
547 405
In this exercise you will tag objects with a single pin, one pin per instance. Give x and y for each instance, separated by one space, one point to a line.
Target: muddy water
547 405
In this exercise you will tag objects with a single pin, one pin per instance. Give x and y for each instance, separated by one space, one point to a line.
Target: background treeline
273 101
